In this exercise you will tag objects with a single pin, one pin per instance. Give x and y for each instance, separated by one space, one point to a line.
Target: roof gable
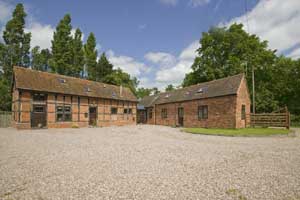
49 82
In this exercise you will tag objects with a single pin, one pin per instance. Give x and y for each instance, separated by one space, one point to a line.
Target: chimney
121 90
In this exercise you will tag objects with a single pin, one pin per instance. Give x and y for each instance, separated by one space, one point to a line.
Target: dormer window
113 94
200 90
87 89
61 80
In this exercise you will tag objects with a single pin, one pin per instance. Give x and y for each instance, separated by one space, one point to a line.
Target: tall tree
103 68
118 77
169 88
40 59
90 54
229 51
62 51
17 42
78 54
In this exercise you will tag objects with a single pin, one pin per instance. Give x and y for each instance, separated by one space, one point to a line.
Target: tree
90 54
5 97
62 51
229 51
142 92
155 91
78 54
118 77
103 68
17 43
169 88
40 59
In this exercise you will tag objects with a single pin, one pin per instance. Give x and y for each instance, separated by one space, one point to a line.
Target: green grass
238 132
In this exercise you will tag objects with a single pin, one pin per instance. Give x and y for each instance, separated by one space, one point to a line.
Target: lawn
238 132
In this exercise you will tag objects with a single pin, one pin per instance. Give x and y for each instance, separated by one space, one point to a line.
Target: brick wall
80 111
243 98
221 113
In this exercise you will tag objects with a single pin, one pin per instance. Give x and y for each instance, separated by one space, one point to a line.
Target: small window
164 113
125 110
243 112
63 113
113 110
202 112
39 97
130 111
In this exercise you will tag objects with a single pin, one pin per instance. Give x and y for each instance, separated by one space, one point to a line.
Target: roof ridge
215 80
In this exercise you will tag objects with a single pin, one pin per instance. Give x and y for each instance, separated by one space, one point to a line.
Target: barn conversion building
222 103
42 99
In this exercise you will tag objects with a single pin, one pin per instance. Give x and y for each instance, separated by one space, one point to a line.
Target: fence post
287 113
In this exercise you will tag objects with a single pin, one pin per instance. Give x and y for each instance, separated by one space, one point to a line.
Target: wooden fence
5 119
275 119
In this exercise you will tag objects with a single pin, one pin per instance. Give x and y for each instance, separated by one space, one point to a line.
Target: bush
295 120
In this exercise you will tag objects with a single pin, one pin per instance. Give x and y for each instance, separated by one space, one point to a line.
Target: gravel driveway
146 162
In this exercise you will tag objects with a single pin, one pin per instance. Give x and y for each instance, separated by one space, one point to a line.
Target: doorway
180 116
38 116
93 116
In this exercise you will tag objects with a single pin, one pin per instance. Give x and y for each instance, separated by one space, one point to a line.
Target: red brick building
222 103
42 99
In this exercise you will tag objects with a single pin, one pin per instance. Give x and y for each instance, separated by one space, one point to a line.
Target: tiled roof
49 82
215 88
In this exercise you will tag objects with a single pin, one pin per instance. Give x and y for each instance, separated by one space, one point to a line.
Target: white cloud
41 35
127 64
276 21
161 58
175 74
169 2
5 11
295 54
196 3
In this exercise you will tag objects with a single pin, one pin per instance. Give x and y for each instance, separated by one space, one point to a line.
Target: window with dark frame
164 113
113 110
63 113
243 112
150 113
202 112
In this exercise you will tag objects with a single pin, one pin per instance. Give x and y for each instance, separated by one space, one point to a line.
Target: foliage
155 91
238 132
90 53
118 77
142 92
103 68
61 60
229 51
169 88
77 54
40 59
5 97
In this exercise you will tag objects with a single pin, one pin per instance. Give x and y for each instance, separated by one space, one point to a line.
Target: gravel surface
146 162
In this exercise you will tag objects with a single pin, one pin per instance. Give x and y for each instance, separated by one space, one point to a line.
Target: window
202 112
164 113
113 110
243 112
127 110
38 109
63 113
150 113
39 97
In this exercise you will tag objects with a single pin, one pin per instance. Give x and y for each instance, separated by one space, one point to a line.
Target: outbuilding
222 103
48 100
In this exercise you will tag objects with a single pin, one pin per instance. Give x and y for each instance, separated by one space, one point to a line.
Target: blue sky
155 40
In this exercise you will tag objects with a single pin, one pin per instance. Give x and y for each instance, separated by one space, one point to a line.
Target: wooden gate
280 118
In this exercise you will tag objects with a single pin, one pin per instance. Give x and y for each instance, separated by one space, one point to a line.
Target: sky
156 40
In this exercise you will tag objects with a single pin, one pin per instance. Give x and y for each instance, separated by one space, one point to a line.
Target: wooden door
38 116
92 116
180 116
